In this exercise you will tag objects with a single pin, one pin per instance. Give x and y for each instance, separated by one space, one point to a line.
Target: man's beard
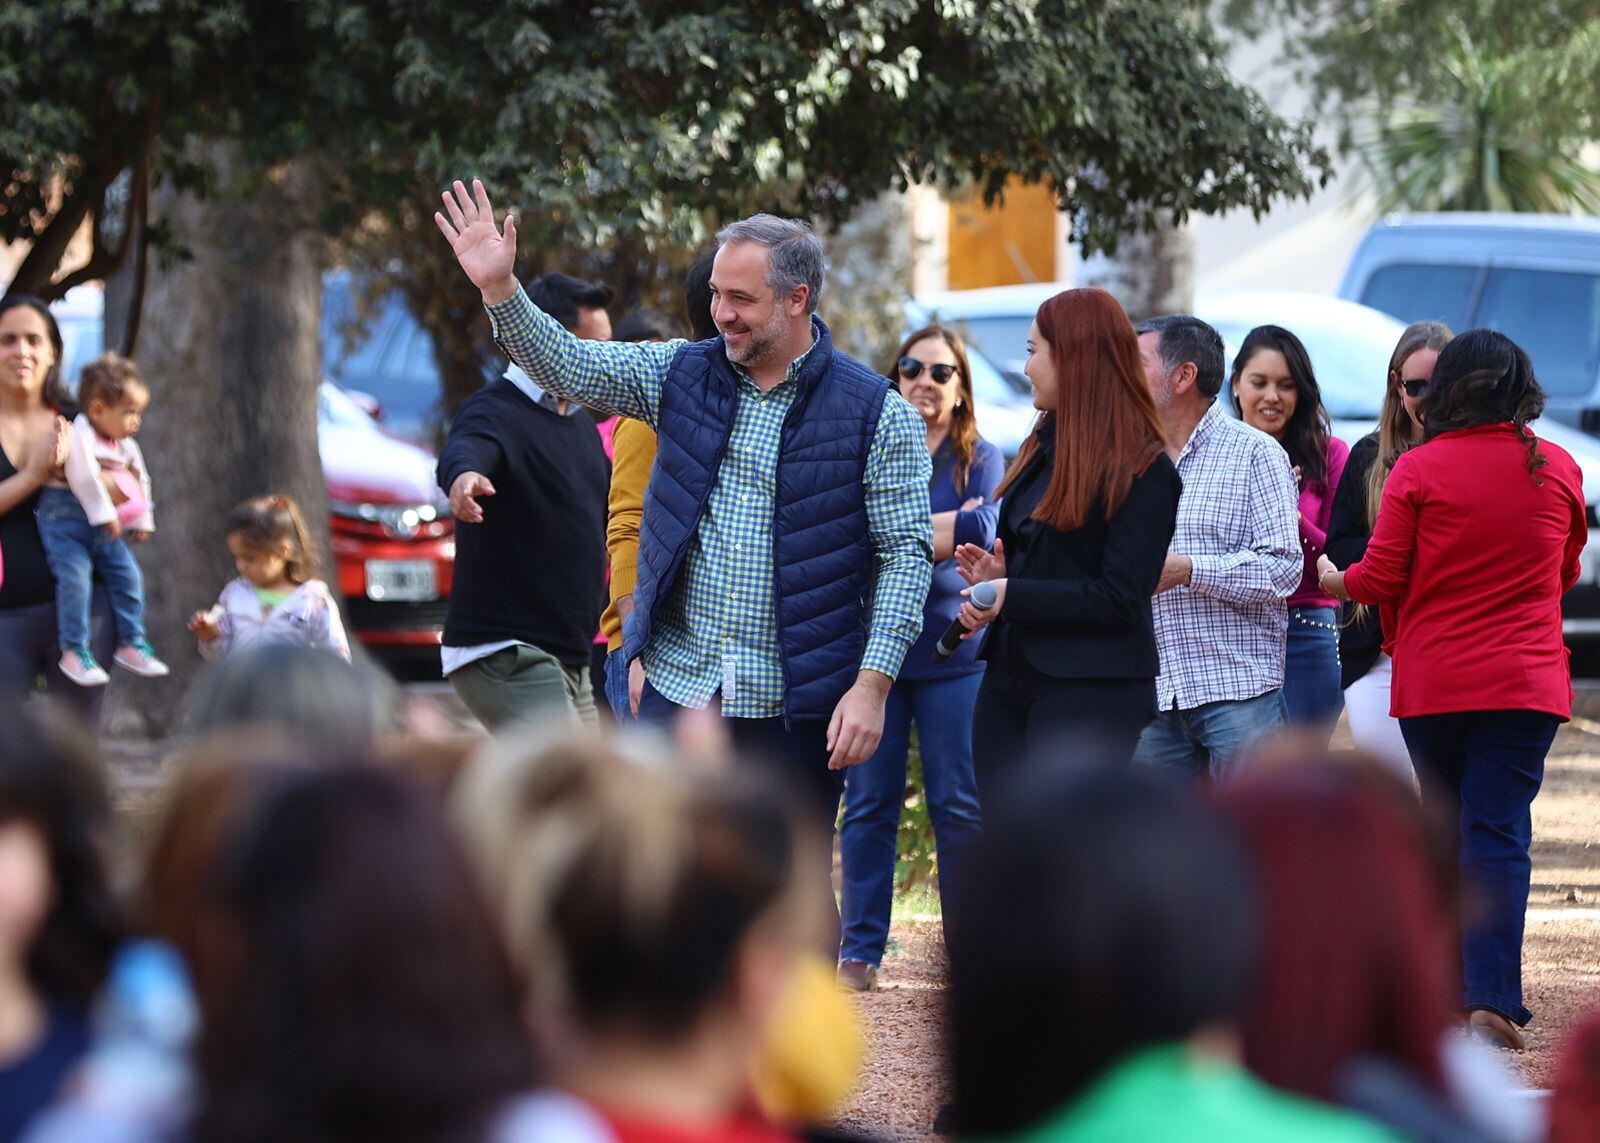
763 343
1161 391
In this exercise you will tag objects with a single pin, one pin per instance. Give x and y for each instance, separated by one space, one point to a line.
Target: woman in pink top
1275 390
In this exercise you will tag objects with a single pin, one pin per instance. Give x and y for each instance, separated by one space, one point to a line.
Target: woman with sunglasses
1088 511
1480 532
932 373
1365 668
1275 390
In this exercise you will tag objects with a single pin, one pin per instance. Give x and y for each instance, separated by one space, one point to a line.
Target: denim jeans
1211 738
1311 669
1487 767
77 552
617 688
875 793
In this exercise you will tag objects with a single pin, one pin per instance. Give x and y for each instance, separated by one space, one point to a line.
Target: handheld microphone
983 597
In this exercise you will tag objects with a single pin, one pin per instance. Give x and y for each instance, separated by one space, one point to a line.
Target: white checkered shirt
1222 638
724 604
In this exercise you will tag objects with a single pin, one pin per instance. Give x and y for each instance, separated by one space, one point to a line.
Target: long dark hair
1305 437
1484 378
49 779
1068 915
964 419
365 994
55 390
1105 421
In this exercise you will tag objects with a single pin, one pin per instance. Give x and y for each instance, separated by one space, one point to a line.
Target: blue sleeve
979 525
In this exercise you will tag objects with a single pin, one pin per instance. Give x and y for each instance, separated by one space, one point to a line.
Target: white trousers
1374 729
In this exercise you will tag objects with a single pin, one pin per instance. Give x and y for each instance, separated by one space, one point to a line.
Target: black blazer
1360 639
1078 603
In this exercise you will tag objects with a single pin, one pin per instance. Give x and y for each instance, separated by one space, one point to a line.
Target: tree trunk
1151 274
229 346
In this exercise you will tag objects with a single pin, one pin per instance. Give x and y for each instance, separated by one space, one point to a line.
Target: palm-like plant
1496 137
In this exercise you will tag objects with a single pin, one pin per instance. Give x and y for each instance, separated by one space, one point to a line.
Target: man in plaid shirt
1220 609
796 628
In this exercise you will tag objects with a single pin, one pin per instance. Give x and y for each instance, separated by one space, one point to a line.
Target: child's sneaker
79 665
140 658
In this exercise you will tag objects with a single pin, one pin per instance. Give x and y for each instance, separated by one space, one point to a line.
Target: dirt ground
904 1085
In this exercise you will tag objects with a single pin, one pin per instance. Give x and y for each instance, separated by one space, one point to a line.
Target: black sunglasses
911 369
1415 386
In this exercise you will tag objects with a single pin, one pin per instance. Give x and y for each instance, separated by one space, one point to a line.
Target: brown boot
1495 1030
857 976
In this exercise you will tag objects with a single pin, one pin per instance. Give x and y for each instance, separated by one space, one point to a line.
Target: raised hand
486 253
977 565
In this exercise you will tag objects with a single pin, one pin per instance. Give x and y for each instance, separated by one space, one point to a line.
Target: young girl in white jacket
275 599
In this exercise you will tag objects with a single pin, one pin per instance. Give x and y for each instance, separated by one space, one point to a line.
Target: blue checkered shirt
1222 638
721 619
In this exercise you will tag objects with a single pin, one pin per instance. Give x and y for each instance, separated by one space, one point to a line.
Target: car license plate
401 580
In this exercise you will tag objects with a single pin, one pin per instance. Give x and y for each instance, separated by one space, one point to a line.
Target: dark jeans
875 793
1311 689
1488 766
797 755
29 649
1025 718
616 684
79 553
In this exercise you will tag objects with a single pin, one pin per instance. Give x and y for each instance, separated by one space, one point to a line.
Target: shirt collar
538 396
1202 428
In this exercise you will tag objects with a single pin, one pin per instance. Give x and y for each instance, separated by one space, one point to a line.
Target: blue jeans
1486 767
617 688
875 792
1311 669
1211 738
77 552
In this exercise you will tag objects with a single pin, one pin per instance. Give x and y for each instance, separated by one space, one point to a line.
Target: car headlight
400 521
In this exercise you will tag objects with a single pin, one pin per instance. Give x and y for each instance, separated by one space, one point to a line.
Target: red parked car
393 536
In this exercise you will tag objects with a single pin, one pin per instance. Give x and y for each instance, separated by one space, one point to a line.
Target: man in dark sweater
527 478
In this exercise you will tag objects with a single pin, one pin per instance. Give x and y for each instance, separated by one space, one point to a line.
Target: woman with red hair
1088 508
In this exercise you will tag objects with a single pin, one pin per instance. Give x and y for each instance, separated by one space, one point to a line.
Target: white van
1533 277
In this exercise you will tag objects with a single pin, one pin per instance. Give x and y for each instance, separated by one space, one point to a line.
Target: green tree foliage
641 116
1454 104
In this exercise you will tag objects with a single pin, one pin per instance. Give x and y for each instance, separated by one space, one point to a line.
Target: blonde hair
624 889
1395 430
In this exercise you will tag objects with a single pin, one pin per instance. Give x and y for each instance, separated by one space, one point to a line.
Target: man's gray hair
796 252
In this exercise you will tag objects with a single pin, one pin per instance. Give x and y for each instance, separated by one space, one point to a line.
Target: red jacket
1468 563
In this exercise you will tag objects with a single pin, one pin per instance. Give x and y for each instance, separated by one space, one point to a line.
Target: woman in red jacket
1477 538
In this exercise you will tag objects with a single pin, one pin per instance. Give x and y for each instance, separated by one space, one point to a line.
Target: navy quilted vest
822 561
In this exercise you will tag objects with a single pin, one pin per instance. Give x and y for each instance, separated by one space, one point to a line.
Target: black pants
29 649
1026 719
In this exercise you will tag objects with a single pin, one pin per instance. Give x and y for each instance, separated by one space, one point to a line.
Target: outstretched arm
618 377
